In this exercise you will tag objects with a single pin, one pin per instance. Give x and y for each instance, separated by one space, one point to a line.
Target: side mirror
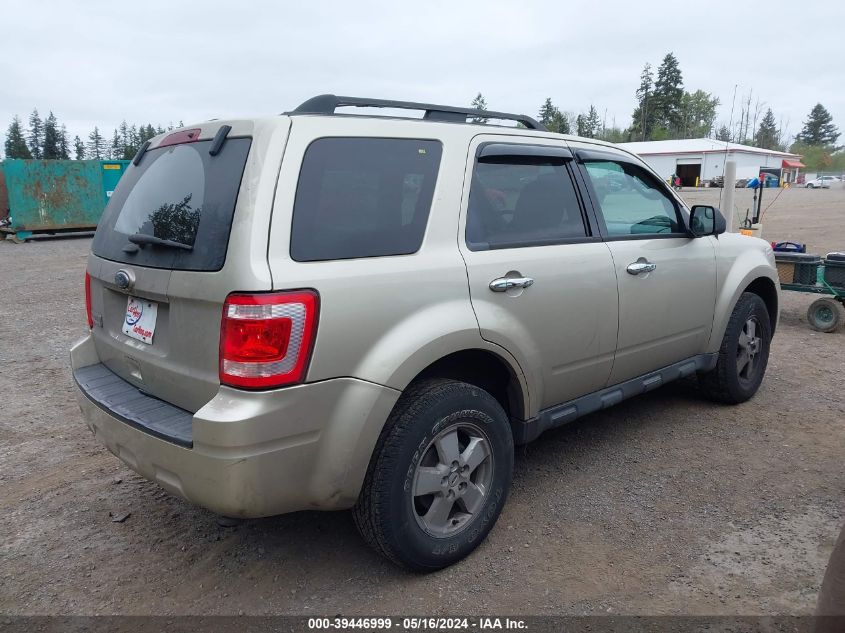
706 220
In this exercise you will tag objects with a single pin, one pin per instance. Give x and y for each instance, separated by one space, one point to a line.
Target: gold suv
324 310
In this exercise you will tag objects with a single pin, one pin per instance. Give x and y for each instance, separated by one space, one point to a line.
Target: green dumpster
53 196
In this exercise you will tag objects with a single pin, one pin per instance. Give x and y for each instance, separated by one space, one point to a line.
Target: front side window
517 203
363 197
631 201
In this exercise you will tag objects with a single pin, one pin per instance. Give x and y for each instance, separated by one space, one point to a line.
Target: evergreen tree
146 133
479 103
125 141
767 135
35 138
117 147
593 124
669 94
96 149
64 148
819 128
581 128
724 134
644 114
50 149
78 148
588 125
553 119
16 146
547 112
559 123
134 142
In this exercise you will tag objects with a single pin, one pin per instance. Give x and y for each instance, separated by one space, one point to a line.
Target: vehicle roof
434 116
247 126
361 121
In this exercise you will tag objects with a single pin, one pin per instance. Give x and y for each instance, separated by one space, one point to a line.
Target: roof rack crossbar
326 104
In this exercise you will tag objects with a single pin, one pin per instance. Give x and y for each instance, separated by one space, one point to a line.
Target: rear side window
518 204
180 194
363 197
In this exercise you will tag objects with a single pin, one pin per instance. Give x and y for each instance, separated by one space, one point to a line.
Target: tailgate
171 214
179 363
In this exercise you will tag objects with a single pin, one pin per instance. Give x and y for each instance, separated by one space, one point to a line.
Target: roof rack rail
326 104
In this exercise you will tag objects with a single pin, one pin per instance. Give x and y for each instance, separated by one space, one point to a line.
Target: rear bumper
255 453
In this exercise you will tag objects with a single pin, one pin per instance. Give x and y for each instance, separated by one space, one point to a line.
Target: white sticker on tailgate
140 320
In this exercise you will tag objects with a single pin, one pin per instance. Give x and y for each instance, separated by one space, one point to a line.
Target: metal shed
698 160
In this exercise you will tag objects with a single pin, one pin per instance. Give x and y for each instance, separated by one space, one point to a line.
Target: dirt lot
664 504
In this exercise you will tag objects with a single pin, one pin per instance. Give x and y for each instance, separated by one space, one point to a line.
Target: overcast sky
95 62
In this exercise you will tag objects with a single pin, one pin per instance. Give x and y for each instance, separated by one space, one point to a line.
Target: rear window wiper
143 238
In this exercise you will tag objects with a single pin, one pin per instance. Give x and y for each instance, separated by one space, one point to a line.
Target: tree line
48 139
666 110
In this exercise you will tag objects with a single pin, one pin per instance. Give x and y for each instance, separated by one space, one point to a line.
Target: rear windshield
363 197
180 194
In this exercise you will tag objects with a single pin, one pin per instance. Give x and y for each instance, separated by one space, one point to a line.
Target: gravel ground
666 504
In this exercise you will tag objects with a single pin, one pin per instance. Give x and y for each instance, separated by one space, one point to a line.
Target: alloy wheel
452 480
749 346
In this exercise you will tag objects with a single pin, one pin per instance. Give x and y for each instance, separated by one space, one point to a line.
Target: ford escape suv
328 310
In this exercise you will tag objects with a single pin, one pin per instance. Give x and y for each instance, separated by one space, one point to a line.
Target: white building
697 160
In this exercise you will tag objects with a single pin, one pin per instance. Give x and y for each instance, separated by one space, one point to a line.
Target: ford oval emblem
124 279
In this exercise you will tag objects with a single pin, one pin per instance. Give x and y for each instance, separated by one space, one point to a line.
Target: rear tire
825 315
743 355
439 475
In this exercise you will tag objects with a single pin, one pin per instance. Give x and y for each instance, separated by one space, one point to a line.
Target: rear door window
517 203
363 197
180 194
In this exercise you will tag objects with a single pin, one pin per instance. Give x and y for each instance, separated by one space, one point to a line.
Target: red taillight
88 300
266 339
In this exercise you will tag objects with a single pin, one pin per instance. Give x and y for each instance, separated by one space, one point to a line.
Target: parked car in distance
317 312
822 182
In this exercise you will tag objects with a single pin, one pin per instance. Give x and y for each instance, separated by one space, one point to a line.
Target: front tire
743 355
439 475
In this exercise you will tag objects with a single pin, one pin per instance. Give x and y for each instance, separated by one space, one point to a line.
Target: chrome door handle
506 283
642 265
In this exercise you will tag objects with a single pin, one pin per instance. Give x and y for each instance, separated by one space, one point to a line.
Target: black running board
553 417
